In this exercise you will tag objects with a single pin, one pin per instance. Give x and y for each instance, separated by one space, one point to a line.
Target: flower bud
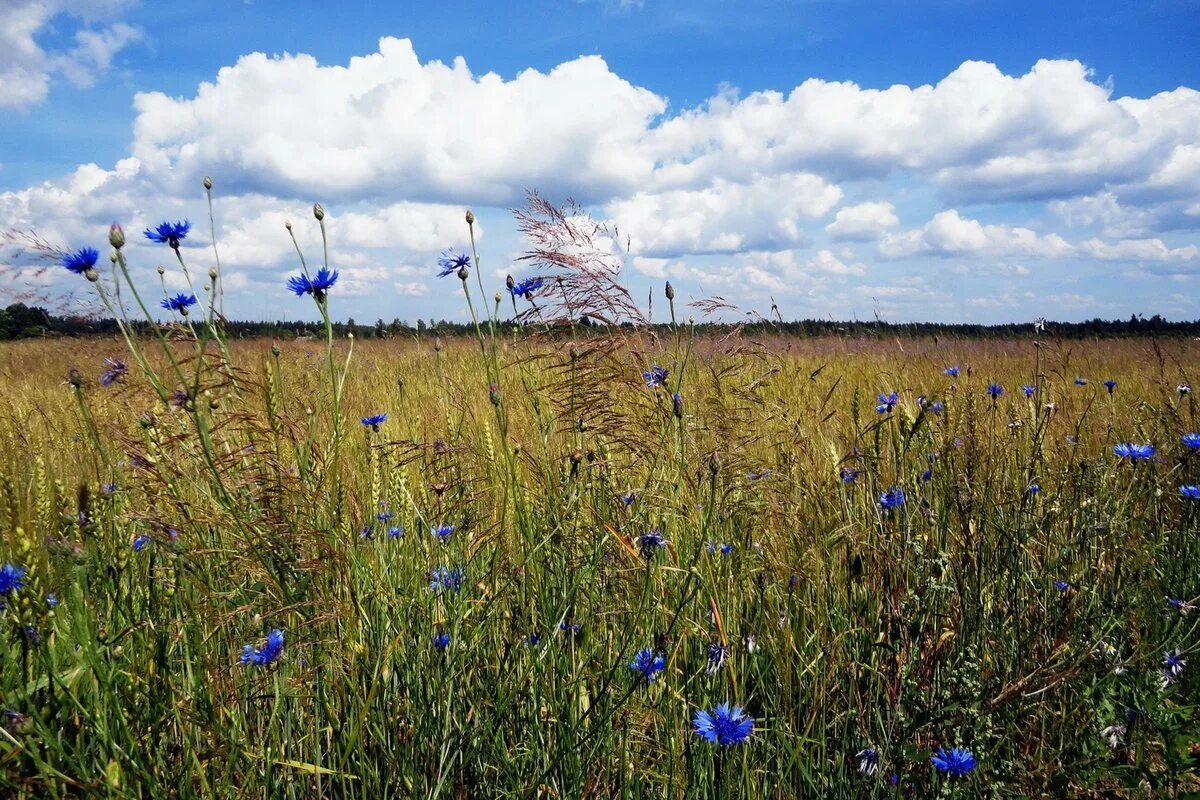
509 282
92 275
670 291
494 394
677 405
207 183
212 273
463 273
75 378
288 224
470 217
161 270
498 297
116 236
318 211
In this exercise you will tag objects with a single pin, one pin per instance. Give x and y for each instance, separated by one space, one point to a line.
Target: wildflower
957 761
655 376
526 288
628 499
1110 384
13 720
1114 735
849 474
1184 388
887 402
723 725
1062 586
170 233
677 405
868 757
751 642
716 653
446 578
995 390
441 640
1172 666
1032 489
1081 382
317 286
892 498
953 373
650 543
647 663
1190 492
1134 452
116 370
139 543
268 654
452 262
108 488
12 579
1182 606
758 475
180 302
726 549
1028 390
533 639
51 600
925 476
442 532
384 516
571 628
373 422
937 407
1039 324
367 532
395 532
81 260
31 634
1191 441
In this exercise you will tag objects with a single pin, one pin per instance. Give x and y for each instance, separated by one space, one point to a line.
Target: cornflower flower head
726 549
1190 492
533 639
442 532
179 303
649 543
1184 388
1173 663
1032 489
268 653
447 578
1114 735
1062 586
116 370
1191 441
527 287
953 373
441 640
51 599
937 407
373 422
655 376
887 402
647 663
1081 382
926 476
451 262
318 285
12 578
628 499
81 260
1110 384
395 532
677 406
848 474
139 543
868 761
994 390
956 761
169 233
724 726
892 498
716 654
1134 452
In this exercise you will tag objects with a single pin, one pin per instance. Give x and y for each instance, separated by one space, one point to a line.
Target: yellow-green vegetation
532 576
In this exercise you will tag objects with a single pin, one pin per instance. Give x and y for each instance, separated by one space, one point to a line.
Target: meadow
602 561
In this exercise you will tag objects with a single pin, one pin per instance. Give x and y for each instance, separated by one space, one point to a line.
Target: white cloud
864 222
948 234
26 69
725 217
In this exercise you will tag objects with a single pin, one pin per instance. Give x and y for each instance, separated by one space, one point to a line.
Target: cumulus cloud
948 234
27 69
864 222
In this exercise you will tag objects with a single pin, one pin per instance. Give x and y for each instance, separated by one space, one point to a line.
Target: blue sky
1020 161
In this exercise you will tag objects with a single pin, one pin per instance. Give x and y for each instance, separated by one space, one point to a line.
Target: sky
938 160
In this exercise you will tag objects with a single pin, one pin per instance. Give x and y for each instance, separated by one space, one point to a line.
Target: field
533 574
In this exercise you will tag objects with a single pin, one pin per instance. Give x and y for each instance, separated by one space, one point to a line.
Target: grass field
463 587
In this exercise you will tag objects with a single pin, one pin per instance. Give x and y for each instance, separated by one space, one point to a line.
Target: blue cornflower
373 422
52 599
527 287
12 578
726 549
108 488
452 262
677 408
1110 384
849 474
1081 382
655 376
1172 665
1032 489
384 516
269 652
628 499
937 407
116 370
711 548
442 532
317 285
446 578
868 757
758 475
1062 586
179 302
951 371
441 640
995 390
649 543
1191 441
81 260
395 532
570 628
957 761
1190 492
892 498
723 725
139 544
533 639
171 233
716 653
647 663
887 402
925 476
368 531
1028 390
1134 452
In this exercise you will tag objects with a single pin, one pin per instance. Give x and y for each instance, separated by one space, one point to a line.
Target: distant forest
19 321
